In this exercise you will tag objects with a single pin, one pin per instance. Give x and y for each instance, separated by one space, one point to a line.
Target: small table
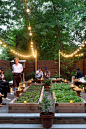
18 93
22 89
78 90
66 82
29 82
72 86
41 80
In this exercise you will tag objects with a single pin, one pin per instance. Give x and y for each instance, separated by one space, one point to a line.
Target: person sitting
77 76
4 85
39 74
47 73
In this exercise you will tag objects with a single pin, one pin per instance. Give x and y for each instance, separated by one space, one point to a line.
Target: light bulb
29 28
31 42
4 45
28 10
30 34
0 42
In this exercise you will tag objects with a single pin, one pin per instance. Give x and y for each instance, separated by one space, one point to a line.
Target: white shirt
17 68
39 75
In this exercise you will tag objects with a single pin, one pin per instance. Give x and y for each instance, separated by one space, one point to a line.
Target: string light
27 10
29 28
72 54
30 34
0 42
20 54
79 55
4 45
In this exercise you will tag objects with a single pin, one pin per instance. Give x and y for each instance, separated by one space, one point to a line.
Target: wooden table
22 89
29 82
66 82
72 86
41 80
78 90
18 93
55 80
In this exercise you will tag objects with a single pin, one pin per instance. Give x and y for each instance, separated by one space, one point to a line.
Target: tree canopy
56 24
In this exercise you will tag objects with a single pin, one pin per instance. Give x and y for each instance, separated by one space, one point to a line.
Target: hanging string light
0 42
75 52
4 45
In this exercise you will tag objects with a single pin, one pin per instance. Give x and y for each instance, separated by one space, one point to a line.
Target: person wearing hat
47 73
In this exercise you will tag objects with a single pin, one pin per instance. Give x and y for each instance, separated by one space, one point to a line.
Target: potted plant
46 114
47 84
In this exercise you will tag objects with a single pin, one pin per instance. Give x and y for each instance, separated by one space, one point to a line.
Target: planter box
69 107
25 108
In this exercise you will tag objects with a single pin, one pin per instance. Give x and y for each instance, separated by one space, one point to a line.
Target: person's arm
42 74
21 68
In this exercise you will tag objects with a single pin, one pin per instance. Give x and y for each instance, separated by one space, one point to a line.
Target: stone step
39 126
34 118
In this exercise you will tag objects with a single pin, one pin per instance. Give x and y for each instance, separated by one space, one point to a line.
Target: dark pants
5 88
16 79
1 96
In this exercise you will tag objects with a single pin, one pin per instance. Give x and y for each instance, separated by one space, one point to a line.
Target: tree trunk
59 34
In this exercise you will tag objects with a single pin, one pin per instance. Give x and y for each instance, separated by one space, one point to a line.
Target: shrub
30 75
47 82
8 75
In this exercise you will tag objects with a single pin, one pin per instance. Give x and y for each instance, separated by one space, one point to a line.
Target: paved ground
4 108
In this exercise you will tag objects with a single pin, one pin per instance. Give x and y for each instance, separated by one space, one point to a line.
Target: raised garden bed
32 96
66 100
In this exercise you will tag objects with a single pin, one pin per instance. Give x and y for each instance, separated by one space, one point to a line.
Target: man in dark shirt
77 76
79 73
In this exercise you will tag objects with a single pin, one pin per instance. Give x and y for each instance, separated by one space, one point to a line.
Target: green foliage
85 78
73 72
55 25
8 75
45 104
57 75
64 93
31 95
30 75
47 82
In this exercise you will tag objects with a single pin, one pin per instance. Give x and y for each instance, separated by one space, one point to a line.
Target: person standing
17 70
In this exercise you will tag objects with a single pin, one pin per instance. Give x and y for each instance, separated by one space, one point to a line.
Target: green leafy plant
8 75
32 95
73 72
57 75
30 75
45 105
47 82
64 93
85 78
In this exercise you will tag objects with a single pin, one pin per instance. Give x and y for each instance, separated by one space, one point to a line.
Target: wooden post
36 61
23 76
59 63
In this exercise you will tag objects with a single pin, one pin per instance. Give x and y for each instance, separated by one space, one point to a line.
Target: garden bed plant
64 94
28 102
66 100
31 95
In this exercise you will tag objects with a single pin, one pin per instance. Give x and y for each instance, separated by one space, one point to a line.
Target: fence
52 65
